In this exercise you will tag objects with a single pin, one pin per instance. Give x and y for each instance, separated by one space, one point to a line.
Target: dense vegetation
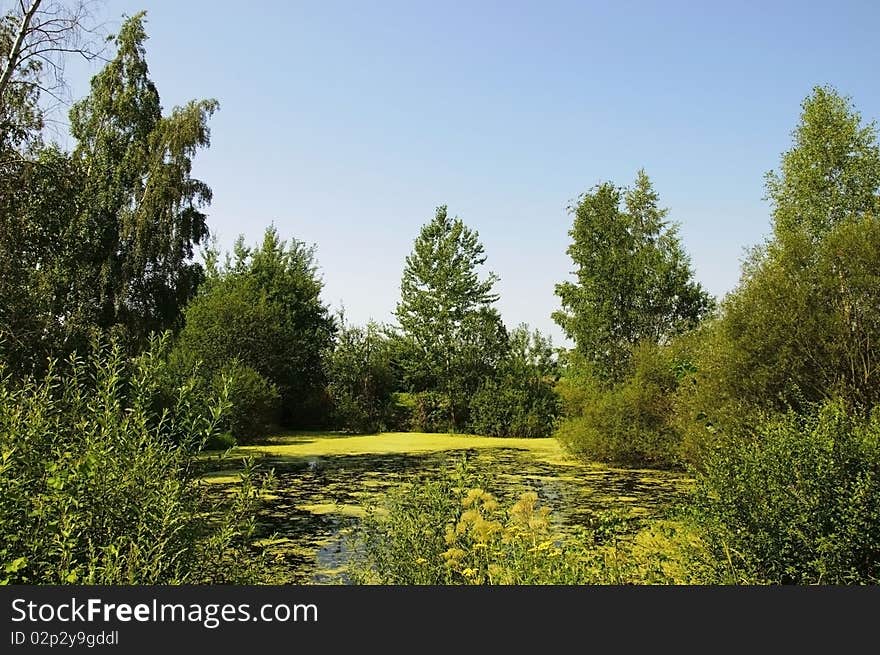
98 481
123 355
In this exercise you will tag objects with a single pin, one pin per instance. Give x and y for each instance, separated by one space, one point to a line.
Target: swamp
325 482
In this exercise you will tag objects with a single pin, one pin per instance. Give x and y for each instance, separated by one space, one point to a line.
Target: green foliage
452 335
42 308
803 326
832 171
519 401
360 379
101 241
431 411
631 422
798 501
400 411
141 212
263 308
254 402
97 486
393 549
634 280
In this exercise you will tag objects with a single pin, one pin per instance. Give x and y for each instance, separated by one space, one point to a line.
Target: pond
325 482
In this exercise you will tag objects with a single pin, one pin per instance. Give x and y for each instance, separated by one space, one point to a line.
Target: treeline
101 243
451 365
770 397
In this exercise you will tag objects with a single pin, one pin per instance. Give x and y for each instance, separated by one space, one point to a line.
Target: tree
41 315
103 240
446 315
21 119
519 399
263 308
35 38
803 325
360 378
141 218
634 280
831 172
40 33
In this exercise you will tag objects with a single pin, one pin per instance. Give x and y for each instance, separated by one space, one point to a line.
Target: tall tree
446 312
39 185
831 172
634 280
142 215
102 239
803 325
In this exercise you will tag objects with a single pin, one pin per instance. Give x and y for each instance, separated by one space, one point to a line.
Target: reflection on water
318 500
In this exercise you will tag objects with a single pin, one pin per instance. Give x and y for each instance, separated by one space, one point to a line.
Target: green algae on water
325 482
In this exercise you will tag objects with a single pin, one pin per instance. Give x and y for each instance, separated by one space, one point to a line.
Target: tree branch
12 59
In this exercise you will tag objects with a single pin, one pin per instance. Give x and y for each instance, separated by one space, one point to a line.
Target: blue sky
346 124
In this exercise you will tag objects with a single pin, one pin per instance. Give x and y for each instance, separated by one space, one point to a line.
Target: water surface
325 483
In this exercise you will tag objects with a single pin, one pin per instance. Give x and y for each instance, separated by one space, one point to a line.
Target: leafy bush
445 531
802 327
798 501
264 309
513 408
254 402
97 486
519 400
431 412
396 541
628 423
400 412
360 379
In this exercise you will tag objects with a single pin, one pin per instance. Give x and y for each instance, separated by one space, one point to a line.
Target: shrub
802 327
519 400
395 542
514 408
254 402
798 501
400 413
97 486
627 423
431 412
447 531
360 379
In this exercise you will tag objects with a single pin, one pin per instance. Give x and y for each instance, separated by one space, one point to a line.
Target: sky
347 123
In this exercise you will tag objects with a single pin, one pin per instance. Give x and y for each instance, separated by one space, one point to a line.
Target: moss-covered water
326 482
